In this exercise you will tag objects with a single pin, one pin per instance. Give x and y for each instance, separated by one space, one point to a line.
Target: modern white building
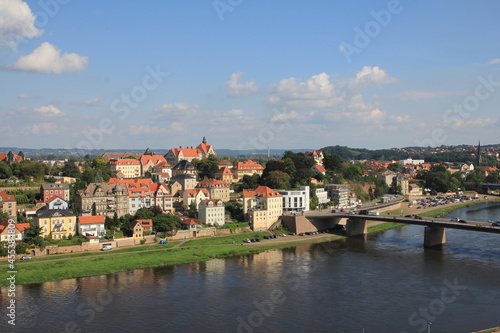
322 195
295 200
91 226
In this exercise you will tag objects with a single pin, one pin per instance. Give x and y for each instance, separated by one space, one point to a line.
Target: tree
207 167
396 167
32 232
277 180
70 169
5 170
332 162
144 214
3 215
166 222
193 209
235 209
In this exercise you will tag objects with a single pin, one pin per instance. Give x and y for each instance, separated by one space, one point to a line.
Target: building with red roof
8 205
248 167
203 150
264 206
218 189
91 226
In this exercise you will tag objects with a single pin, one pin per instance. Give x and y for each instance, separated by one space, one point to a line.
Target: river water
388 283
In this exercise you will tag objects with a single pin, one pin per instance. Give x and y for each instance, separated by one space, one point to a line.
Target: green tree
32 232
207 167
144 214
332 162
235 209
5 170
277 180
166 222
396 167
193 209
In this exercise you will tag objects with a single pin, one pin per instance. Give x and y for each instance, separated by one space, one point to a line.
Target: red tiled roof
22 226
156 159
224 171
320 168
210 182
249 165
189 222
146 223
205 147
7 197
187 152
261 191
95 219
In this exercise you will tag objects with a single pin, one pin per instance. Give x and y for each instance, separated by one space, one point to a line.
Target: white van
106 247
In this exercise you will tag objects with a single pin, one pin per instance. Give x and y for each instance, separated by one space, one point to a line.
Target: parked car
496 224
25 257
462 221
267 237
455 219
338 227
163 242
246 240
106 247
283 235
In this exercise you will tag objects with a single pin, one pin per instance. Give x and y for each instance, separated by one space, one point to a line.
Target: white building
322 195
91 226
295 200
411 161
212 211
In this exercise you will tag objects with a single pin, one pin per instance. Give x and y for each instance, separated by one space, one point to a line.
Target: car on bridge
496 224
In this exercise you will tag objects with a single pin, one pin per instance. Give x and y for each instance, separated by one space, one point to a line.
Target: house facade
8 205
295 200
57 223
249 168
263 207
317 155
91 226
50 190
129 168
218 189
212 212
103 199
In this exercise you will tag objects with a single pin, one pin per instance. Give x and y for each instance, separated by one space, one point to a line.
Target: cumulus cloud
49 110
237 88
319 91
48 60
16 22
494 61
177 112
43 128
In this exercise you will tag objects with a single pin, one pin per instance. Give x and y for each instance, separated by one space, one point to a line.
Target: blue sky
248 74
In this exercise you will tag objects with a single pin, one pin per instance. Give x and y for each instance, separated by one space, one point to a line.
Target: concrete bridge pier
356 227
434 236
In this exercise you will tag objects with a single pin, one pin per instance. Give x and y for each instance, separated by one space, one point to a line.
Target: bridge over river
435 228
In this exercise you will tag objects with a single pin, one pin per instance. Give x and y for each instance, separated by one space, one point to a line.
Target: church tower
478 155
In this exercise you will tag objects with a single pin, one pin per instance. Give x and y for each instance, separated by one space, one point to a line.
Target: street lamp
429 327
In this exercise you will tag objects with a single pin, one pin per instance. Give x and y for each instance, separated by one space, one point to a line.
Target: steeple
478 154
204 140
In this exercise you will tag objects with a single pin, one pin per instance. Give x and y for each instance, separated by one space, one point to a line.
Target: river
388 283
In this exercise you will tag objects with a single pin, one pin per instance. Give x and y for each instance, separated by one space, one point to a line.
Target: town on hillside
130 198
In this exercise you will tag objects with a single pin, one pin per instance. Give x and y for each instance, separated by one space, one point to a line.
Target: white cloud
49 110
494 61
26 96
401 119
237 88
419 94
178 111
89 102
462 123
43 128
48 60
320 91
16 22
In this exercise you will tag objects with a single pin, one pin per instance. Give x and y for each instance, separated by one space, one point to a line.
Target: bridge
435 228
491 186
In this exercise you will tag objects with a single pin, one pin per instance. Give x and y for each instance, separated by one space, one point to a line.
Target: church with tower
203 150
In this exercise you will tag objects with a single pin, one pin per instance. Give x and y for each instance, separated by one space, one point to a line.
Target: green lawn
58 270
